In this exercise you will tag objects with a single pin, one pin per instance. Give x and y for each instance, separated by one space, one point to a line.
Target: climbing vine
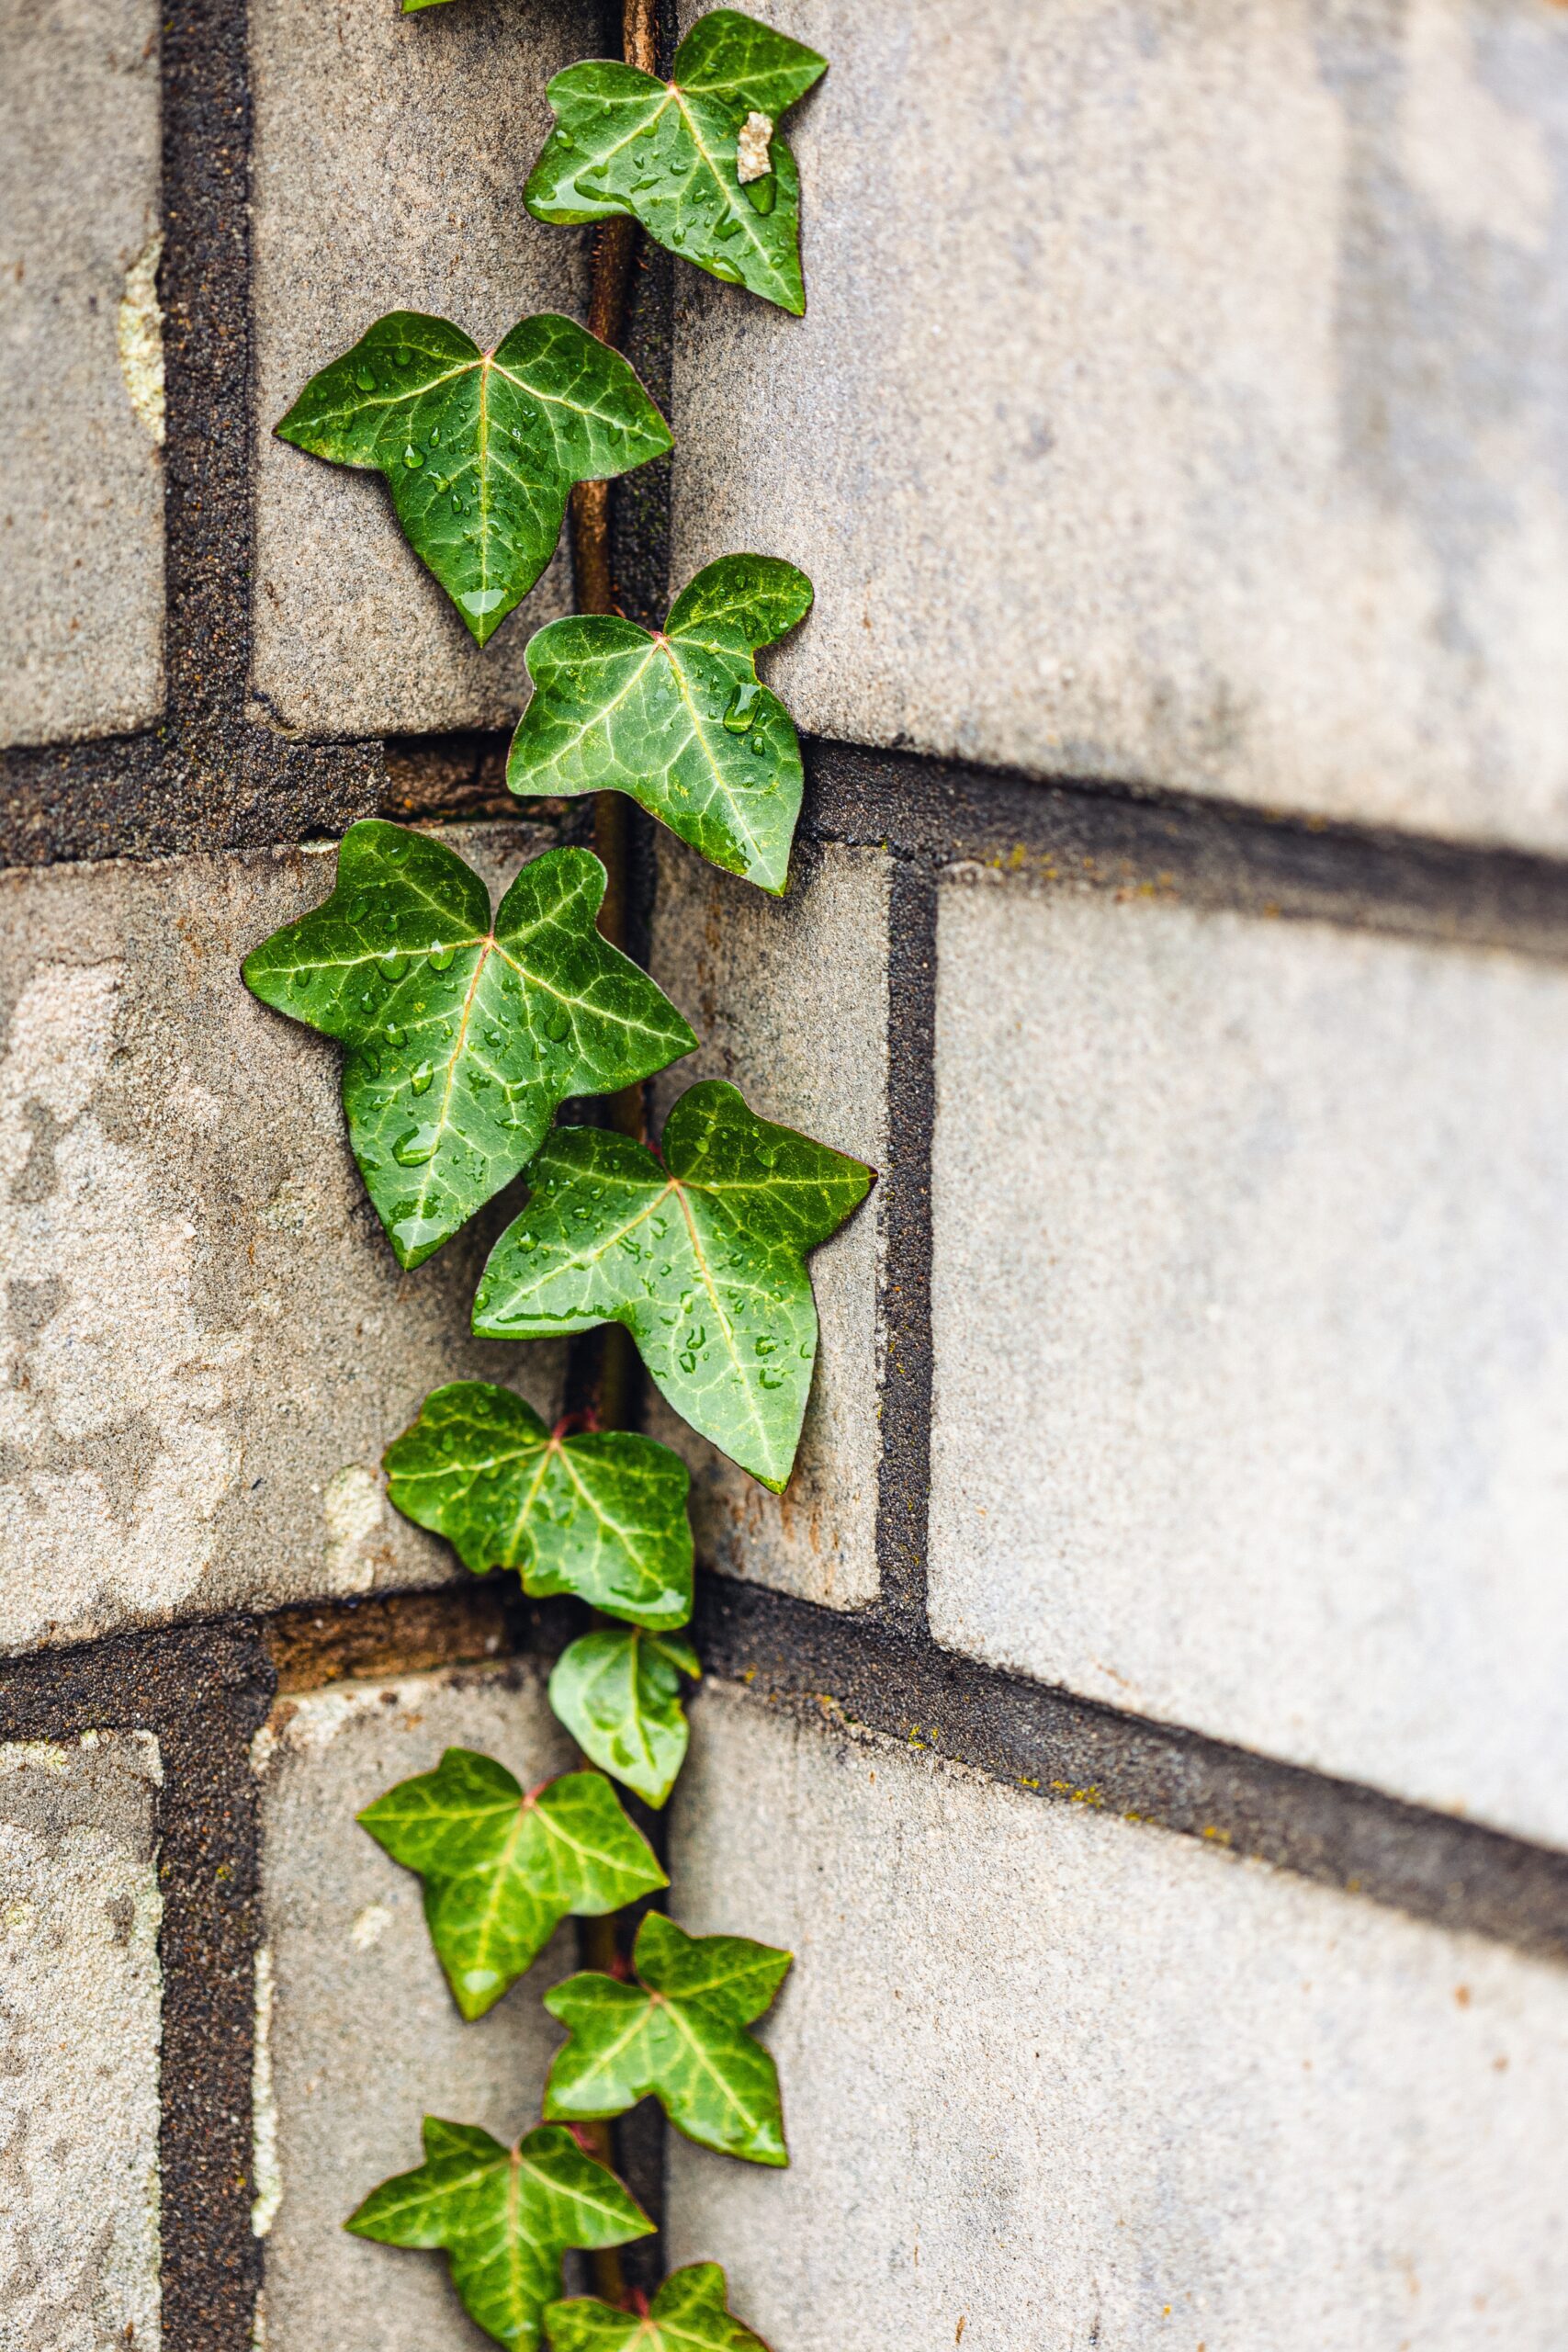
465 1029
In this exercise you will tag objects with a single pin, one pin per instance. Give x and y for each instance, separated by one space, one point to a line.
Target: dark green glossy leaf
701 1254
501 1870
505 2217
678 2034
463 1035
601 1515
480 448
672 152
677 719
689 2313
619 1696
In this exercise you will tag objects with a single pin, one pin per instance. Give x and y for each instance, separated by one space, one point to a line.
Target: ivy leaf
700 1253
506 2217
671 153
603 1515
463 1033
480 447
619 1696
679 2034
677 719
501 1870
689 2313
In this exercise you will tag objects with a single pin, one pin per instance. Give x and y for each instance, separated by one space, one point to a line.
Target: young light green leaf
463 1033
480 448
679 2034
619 1696
501 1870
695 159
689 2313
601 1515
677 719
505 2216
701 1255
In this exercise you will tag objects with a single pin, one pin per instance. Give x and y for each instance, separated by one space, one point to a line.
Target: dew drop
415 1146
413 457
419 1081
364 379
439 958
742 708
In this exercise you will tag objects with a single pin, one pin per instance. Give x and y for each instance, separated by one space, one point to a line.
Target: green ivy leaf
671 153
679 2034
689 2313
463 1035
601 1515
619 1696
480 447
678 718
701 1255
501 1870
505 2216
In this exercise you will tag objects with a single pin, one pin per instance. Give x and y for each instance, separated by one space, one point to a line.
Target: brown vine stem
611 1386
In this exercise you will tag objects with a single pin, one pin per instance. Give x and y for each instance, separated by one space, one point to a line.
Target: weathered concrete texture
79 1995
1053 2081
790 1001
82 506
1249 1304
1181 398
391 157
358 2036
208 1342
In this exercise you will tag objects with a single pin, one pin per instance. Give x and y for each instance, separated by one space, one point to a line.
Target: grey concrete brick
206 1340
82 509
79 1984
390 156
1250 1302
1181 399
359 2036
1057 2081
790 1001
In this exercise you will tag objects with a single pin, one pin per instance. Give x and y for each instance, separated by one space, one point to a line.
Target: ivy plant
480 448
690 2314
699 1249
501 1870
679 2034
464 1031
696 159
676 717
504 2218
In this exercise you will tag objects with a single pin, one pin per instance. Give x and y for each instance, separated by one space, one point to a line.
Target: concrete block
1052 2080
1249 1304
1181 399
389 161
358 2036
206 1340
80 1983
81 371
790 1001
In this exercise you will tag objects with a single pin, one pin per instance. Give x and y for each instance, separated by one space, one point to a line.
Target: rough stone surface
390 156
790 1001
360 2036
207 1340
81 507
79 1993
1057 2081
1093 484
1250 1302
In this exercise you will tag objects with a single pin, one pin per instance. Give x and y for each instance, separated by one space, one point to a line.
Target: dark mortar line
870 1670
204 1690
904 1204
1209 854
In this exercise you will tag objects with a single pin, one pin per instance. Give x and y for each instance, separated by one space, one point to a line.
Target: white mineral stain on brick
1079 2083
79 2045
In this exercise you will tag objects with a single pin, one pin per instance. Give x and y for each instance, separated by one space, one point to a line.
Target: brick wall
1143 1714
